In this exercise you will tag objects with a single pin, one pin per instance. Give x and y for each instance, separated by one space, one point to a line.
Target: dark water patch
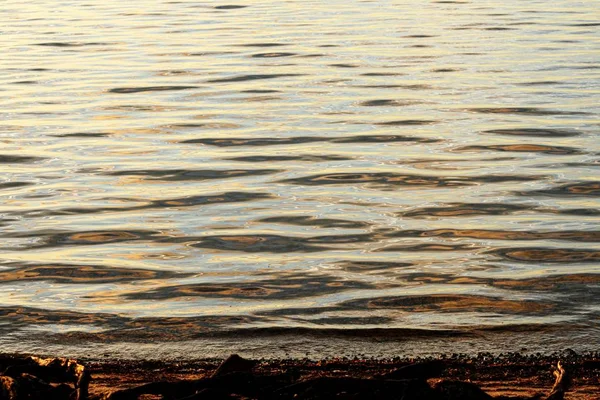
498 28
393 179
81 274
11 185
173 72
383 139
204 125
590 164
150 89
576 290
284 287
370 266
227 197
21 317
438 279
85 134
524 148
419 36
192 175
449 303
267 44
252 77
116 327
577 189
49 238
522 110
584 67
304 220
370 333
24 83
210 53
417 86
256 243
273 55
350 321
12 159
586 24
540 83
549 283
177 329
230 142
488 234
573 211
382 74
387 103
342 65
472 209
229 7
533 132
307 158
139 330
254 141
431 247
548 255
260 91
442 70
342 239
71 44
405 122
177 202
466 209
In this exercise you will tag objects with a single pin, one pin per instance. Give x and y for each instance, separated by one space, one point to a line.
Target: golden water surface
191 178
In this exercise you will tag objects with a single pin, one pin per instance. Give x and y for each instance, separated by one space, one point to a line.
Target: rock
234 363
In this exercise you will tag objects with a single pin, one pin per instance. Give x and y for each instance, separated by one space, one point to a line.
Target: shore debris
34 378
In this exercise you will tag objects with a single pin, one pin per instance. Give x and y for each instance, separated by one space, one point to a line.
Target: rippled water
184 178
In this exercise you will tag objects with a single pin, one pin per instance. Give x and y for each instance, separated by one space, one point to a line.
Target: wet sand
505 376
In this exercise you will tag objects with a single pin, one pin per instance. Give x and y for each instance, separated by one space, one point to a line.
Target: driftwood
234 379
36 378
561 384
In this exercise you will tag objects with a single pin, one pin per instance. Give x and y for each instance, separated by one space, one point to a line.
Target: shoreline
511 374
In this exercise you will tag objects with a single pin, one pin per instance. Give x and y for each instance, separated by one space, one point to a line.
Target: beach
455 377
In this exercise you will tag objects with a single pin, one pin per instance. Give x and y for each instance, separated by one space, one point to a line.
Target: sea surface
187 179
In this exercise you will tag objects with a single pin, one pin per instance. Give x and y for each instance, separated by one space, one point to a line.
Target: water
185 179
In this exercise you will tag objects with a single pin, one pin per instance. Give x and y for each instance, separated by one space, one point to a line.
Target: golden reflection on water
209 168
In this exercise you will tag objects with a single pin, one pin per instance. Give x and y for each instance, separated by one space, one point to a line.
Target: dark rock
234 363
355 388
421 370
